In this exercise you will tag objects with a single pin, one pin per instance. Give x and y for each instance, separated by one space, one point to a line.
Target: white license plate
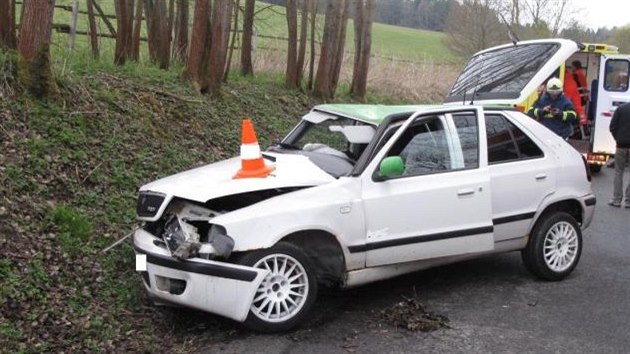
141 262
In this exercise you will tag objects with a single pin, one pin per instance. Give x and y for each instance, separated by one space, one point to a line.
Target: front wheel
554 247
288 292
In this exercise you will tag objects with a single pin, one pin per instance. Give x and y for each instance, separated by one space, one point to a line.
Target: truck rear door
612 92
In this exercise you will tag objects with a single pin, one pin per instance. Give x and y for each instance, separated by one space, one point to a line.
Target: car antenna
511 34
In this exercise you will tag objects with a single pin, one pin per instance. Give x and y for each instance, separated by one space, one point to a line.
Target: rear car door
612 92
520 173
440 204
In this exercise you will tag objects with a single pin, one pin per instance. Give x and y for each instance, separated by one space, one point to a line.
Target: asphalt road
493 305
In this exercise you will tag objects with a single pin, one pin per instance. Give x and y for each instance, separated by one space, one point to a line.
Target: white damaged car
359 193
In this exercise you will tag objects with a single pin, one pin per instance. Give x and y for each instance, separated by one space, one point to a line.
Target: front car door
612 92
440 204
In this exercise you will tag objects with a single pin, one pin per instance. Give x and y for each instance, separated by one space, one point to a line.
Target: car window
424 147
501 73
468 136
506 142
616 77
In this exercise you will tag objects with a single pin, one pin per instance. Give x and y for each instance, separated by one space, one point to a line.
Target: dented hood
215 180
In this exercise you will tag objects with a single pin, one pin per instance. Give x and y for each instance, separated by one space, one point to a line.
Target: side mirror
392 166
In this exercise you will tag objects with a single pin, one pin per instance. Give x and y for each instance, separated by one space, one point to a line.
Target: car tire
554 247
286 295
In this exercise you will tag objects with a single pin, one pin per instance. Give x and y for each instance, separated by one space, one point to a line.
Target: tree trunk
314 6
195 67
124 16
291 72
325 81
247 67
363 44
180 46
93 30
341 43
220 30
170 24
137 28
34 71
233 44
159 38
7 24
303 34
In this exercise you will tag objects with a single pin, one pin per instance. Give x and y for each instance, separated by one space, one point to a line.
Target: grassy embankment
69 171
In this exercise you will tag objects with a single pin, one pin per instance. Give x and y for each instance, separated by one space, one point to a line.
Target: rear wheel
285 296
554 247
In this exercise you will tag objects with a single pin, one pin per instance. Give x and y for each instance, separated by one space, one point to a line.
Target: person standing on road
620 130
554 110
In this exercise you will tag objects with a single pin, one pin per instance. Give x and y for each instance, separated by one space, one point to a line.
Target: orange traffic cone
252 163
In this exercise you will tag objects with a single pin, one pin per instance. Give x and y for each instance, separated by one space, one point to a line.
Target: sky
603 13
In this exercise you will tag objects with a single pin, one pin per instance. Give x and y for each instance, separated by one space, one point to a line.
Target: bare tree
34 71
233 42
124 15
303 36
7 24
473 26
93 31
137 28
330 54
313 10
195 68
180 46
341 43
220 30
292 69
247 67
362 46
159 37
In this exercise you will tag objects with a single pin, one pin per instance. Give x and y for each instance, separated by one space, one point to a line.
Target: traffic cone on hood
252 162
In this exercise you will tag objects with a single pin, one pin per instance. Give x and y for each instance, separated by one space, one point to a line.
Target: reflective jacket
562 117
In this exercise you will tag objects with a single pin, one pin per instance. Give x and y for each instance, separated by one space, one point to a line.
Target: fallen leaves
411 315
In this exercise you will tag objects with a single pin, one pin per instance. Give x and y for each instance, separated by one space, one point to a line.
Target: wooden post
73 24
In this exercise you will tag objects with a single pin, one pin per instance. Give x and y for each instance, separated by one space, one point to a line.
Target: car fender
334 208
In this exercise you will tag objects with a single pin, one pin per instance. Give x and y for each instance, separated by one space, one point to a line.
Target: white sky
603 13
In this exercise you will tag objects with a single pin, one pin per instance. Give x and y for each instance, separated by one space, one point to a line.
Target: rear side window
616 77
501 73
506 142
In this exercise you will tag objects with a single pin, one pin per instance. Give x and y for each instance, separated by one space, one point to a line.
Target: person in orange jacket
580 77
571 91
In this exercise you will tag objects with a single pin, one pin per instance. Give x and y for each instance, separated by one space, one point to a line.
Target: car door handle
541 176
465 191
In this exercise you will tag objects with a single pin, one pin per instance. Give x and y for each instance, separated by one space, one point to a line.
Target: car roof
373 114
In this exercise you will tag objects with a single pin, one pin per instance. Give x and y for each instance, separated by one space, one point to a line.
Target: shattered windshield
501 73
331 142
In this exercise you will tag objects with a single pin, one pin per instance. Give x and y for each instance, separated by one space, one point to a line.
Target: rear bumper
588 206
221 288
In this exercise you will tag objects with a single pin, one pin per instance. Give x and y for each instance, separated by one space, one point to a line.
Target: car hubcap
283 292
561 246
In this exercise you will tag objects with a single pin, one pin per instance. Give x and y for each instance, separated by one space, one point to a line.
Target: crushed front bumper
221 288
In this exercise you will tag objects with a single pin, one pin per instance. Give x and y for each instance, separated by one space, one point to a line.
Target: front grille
149 203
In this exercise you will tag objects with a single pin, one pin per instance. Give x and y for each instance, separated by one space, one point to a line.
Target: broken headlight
181 238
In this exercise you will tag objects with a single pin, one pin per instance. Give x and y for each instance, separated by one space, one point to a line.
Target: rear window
501 73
